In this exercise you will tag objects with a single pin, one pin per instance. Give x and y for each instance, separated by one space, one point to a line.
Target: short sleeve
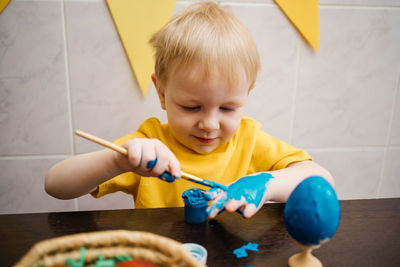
272 154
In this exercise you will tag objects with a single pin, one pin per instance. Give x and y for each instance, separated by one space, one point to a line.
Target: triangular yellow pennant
136 21
304 15
3 4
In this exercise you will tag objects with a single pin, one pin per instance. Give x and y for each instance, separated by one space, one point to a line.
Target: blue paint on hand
312 212
214 191
166 176
210 184
252 188
151 163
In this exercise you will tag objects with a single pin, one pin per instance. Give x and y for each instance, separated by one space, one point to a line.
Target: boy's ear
160 91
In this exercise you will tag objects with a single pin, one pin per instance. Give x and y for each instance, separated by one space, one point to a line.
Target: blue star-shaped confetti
242 253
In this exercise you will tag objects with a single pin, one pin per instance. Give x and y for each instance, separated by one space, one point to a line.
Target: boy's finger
162 164
212 211
233 205
149 157
168 162
166 176
174 166
212 193
249 210
134 154
218 204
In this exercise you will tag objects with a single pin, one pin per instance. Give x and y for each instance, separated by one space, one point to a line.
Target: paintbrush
123 151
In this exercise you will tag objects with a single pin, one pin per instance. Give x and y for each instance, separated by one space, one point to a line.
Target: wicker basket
159 250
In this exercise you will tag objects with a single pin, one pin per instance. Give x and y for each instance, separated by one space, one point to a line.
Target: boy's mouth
205 140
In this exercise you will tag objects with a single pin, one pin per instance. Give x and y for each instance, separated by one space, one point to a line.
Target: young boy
206 65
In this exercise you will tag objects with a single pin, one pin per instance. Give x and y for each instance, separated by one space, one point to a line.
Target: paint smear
251 187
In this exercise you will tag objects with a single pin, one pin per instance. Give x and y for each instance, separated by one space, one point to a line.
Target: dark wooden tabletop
368 234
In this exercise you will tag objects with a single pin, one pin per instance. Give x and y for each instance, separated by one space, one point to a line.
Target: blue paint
312 212
251 187
210 184
151 163
166 176
195 205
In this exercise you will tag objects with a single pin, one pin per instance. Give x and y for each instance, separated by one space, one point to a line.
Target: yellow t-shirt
250 150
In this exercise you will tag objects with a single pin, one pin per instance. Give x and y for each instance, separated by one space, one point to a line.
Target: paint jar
198 252
195 205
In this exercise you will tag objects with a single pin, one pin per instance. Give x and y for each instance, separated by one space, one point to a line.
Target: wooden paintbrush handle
122 150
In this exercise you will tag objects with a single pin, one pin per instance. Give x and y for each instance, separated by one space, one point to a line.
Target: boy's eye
188 108
227 108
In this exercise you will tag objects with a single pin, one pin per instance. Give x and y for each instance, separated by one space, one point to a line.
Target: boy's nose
209 123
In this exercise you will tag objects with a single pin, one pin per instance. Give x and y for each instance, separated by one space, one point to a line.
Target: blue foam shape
240 253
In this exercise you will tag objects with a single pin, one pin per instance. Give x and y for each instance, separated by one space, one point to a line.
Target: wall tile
114 201
247 2
390 186
387 3
22 187
270 102
345 90
33 99
106 99
393 3
356 173
395 129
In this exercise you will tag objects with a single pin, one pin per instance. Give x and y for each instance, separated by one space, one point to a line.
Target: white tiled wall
63 67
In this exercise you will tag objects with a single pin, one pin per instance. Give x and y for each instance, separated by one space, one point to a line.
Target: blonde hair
211 36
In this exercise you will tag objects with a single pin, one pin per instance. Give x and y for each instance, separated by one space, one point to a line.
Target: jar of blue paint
195 205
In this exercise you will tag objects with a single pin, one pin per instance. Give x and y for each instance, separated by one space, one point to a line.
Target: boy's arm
288 178
81 174
249 193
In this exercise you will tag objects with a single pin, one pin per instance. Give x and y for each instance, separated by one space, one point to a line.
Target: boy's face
202 115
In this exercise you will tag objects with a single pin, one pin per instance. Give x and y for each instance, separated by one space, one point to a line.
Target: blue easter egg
312 212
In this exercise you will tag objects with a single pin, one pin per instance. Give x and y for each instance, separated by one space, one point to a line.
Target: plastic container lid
198 251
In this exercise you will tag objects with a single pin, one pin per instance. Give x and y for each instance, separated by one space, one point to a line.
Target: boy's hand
150 157
245 195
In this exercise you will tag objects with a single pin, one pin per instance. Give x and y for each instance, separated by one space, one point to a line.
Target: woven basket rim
144 245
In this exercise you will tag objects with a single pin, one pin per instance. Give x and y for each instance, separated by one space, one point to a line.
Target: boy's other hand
246 195
151 158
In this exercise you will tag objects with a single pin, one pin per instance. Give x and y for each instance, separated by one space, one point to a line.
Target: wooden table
368 234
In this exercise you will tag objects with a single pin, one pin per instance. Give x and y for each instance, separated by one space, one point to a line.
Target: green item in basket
77 263
102 262
125 257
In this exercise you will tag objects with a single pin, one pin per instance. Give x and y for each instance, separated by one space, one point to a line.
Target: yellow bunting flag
3 4
136 21
304 15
